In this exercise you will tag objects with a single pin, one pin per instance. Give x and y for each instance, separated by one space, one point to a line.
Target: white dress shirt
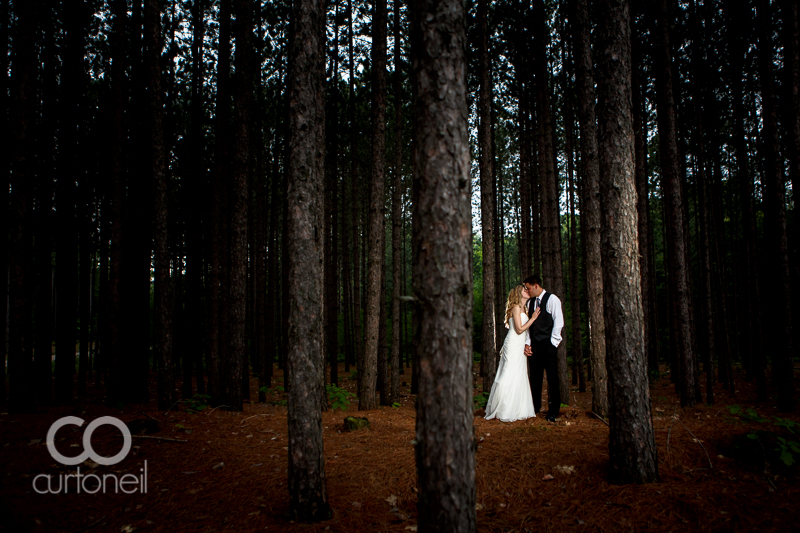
554 308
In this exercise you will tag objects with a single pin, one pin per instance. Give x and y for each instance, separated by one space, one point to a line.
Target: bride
510 398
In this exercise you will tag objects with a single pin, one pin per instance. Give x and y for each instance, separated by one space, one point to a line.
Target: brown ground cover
712 475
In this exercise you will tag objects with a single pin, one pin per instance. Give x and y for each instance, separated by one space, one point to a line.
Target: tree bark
632 448
442 273
574 290
397 205
680 294
194 244
646 269
550 210
66 198
308 499
163 317
375 245
489 347
216 360
5 168
21 398
590 202
112 349
779 309
331 218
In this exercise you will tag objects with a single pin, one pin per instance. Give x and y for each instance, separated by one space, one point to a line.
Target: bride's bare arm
516 312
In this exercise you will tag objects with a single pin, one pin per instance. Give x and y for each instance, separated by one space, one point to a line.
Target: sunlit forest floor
231 473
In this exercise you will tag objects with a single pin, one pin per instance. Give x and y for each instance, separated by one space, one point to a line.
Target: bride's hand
536 313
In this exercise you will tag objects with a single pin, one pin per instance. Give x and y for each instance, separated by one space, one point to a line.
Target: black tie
537 304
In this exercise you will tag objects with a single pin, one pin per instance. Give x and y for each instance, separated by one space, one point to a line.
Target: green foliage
396 405
197 403
353 375
479 401
274 392
785 448
339 398
748 414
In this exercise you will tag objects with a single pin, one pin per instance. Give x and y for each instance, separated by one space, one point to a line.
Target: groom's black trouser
544 358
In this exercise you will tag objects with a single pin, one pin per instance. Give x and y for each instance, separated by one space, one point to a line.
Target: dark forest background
145 206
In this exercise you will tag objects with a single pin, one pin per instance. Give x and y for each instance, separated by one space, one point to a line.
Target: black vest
542 328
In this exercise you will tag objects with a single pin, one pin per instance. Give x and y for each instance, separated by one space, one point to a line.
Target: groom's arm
554 308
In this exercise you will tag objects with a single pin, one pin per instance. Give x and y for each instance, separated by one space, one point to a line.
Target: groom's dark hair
533 280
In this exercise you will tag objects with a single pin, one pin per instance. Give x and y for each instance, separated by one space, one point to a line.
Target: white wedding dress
510 398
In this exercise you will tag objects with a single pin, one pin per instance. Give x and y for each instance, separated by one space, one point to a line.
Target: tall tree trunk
489 347
752 350
22 119
163 317
673 200
375 244
217 360
194 245
590 202
66 199
308 498
5 208
238 203
85 284
112 349
574 290
442 272
632 447
646 269
791 53
139 228
779 309
44 240
397 206
331 217
550 210
499 306
356 298
702 180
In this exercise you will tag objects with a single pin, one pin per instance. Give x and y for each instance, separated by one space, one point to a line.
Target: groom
542 341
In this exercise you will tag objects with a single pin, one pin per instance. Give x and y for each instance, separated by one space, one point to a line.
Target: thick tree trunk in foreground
375 245
442 273
590 203
162 341
488 350
632 446
674 211
305 363
779 340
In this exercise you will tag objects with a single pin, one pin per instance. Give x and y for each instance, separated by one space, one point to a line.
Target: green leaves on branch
786 448
339 398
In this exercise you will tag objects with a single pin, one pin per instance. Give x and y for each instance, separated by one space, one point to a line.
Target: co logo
88 451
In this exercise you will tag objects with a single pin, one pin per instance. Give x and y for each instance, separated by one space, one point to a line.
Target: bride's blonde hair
514 300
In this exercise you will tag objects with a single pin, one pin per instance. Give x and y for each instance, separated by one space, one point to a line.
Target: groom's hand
528 351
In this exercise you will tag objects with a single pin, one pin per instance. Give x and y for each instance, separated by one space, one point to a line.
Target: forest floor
531 475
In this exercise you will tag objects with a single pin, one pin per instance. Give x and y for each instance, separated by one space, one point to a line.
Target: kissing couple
534 321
